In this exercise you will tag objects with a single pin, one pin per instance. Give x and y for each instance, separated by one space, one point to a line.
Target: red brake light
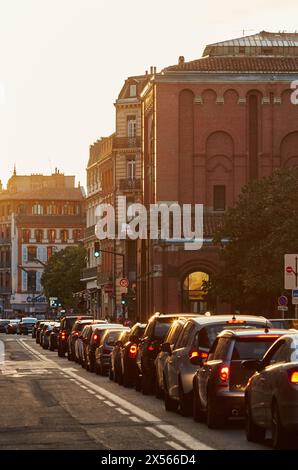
236 322
95 337
151 348
224 374
201 354
293 376
268 336
132 351
76 333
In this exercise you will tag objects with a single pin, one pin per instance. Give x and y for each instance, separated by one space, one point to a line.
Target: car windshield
162 327
207 335
251 348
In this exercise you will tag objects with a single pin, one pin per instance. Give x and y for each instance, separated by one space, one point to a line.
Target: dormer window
133 91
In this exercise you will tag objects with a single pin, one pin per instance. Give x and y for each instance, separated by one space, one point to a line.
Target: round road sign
282 300
289 269
124 282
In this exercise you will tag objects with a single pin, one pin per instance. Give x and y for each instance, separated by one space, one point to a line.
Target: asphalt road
47 402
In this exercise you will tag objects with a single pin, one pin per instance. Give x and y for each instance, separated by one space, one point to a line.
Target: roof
204 320
253 332
55 194
238 64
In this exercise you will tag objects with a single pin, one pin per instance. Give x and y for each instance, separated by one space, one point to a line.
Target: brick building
38 215
209 127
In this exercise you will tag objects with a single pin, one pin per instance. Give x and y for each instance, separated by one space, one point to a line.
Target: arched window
194 296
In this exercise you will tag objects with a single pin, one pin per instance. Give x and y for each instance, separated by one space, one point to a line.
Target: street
50 403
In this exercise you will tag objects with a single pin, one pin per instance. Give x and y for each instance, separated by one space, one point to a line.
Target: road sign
282 308
283 300
291 271
295 296
124 282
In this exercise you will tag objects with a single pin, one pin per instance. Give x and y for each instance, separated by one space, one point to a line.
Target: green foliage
262 227
61 277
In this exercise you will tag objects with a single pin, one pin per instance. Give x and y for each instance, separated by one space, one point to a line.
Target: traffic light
124 299
96 249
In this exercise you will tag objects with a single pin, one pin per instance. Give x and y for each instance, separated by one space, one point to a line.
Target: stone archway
193 295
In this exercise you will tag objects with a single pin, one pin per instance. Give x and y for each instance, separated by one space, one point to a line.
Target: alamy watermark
294 94
170 222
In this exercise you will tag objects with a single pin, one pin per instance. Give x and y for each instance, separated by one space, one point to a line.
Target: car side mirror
251 364
166 348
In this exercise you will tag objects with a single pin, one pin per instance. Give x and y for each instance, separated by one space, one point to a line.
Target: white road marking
91 392
135 419
181 436
83 386
123 412
99 397
175 445
109 403
154 432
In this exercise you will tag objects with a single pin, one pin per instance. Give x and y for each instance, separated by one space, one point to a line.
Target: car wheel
254 433
111 374
60 353
185 401
197 412
51 348
214 418
146 385
280 437
69 355
138 383
158 390
170 404
127 382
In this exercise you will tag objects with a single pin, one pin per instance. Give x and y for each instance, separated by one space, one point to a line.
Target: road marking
91 391
175 445
123 412
109 403
135 419
154 432
99 397
181 436
83 386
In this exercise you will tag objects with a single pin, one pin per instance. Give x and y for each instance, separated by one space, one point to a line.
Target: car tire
146 385
213 418
197 411
51 348
170 404
280 437
254 433
138 383
61 353
158 391
111 374
185 401
127 382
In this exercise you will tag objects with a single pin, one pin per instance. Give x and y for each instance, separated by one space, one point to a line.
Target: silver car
196 338
271 396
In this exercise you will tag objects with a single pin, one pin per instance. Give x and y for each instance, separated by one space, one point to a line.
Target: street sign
291 271
123 290
124 282
295 296
283 300
282 308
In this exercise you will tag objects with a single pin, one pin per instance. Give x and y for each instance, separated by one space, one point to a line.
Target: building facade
209 127
39 215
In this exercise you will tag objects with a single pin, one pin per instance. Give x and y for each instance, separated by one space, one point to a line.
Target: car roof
252 332
175 315
205 320
111 326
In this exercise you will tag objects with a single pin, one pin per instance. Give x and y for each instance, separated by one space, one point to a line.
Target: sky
63 63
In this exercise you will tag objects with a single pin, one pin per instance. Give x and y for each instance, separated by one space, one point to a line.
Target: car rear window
162 327
207 335
111 337
251 348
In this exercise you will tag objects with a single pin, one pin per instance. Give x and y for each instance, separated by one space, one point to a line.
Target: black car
219 384
149 347
73 336
123 360
53 338
26 326
104 350
3 325
66 325
39 327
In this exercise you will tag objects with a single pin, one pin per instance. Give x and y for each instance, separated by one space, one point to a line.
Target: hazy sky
63 63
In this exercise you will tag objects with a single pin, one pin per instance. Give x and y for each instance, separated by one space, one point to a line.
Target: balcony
5 242
104 278
89 274
130 184
127 142
90 231
5 291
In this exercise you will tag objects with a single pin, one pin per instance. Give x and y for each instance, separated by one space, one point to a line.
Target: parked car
75 333
66 324
3 325
12 327
26 325
104 350
127 354
43 331
169 343
284 323
53 338
219 383
271 395
39 327
115 371
197 337
149 347
82 343
47 333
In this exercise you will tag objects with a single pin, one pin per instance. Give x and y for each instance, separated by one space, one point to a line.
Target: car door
203 375
175 360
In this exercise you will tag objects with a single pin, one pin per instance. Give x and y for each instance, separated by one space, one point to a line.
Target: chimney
181 60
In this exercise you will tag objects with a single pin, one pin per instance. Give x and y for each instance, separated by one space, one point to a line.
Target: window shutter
25 255
38 281
24 281
44 254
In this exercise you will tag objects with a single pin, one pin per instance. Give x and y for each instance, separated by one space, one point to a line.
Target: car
219 383
128 354
53 338
74 334
271 395
149 347
39 327
26 325
104 350
115 370
47 334
43 330
81 344
66 324
284 323
12 327
3 325
197 335
168 344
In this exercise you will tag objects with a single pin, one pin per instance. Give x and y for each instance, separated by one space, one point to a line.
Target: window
222 349
283 354
131 168
37 209
64 235
51 235
51 209
26 236
65 209
131 126
31 281
185 335
38 235
219 198
22 209
76 235
32 253
133 90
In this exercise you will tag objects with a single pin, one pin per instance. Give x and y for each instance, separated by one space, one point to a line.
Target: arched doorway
194 297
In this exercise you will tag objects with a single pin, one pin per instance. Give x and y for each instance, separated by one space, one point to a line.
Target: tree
61 277
261 228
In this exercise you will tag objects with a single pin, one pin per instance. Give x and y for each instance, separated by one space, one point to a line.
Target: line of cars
17 326
210 367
